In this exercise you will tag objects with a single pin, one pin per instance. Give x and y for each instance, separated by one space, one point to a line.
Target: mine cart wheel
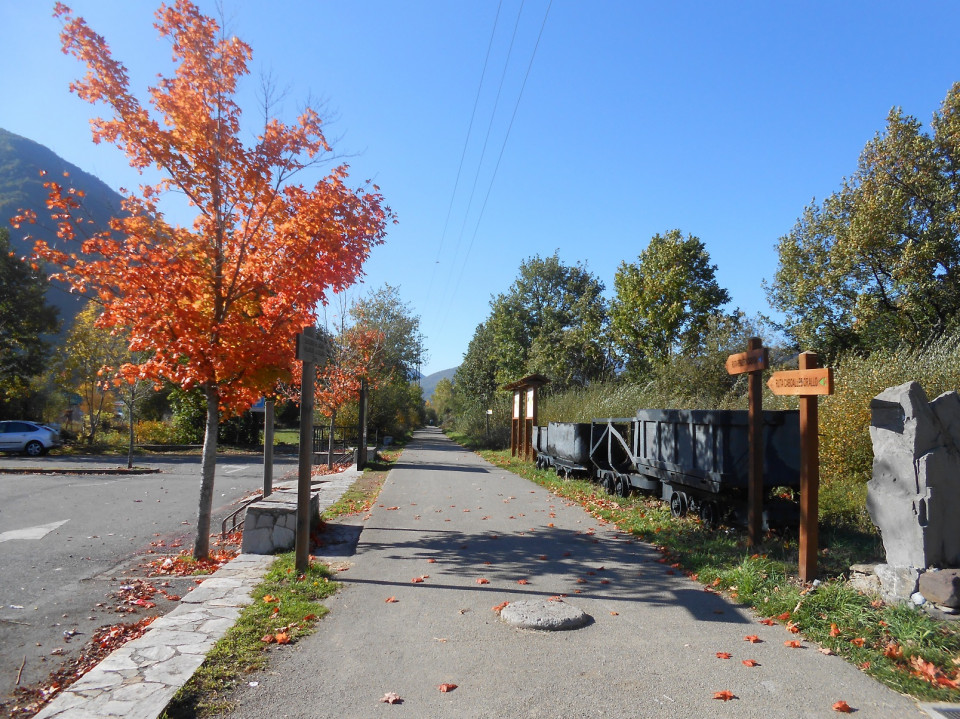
709 514
622 486
679 504
608 483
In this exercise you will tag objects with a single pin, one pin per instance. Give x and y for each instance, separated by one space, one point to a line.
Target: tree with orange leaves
215 305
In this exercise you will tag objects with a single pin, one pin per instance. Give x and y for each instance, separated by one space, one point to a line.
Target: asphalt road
68 542
477 536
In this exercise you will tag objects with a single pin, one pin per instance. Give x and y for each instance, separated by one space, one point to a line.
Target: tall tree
24 318
553 321
87 366
664 301
216 304
878 262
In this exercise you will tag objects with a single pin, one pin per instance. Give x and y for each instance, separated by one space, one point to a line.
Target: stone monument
914 496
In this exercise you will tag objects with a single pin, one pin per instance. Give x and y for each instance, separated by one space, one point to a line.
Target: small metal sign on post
753 362
310 351
809 382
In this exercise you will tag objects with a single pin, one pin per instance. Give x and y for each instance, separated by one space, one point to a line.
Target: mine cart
699 460
565 446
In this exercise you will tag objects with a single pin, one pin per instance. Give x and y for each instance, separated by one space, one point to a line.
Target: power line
483 152
466 142
502 148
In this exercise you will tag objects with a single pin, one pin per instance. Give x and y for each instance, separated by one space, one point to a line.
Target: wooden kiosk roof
533 380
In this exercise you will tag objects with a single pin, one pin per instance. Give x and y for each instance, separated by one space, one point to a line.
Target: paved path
138 680
650 650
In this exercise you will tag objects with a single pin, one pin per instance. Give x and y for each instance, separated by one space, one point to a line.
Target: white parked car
28 437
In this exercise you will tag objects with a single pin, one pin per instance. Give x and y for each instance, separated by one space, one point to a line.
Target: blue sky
721 119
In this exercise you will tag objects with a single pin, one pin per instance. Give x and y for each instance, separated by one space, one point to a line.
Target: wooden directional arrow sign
804 382
748 361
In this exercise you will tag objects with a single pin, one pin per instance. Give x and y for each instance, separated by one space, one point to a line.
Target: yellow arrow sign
802 382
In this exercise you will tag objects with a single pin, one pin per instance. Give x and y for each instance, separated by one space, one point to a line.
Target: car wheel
33 448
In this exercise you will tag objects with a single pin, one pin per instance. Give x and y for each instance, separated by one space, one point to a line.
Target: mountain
21 188
429 383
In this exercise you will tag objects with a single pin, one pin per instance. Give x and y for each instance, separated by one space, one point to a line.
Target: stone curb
139 679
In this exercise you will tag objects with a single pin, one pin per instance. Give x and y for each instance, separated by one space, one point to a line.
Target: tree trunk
208 465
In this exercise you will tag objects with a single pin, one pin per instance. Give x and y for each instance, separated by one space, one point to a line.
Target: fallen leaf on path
481 580
615 614
825 650
752 638
431 561
768 622
793 628
724 655
750 663
282 638
522 581
500 606
390 600
726 695
842 707
447 687
417 580
392 698
793 644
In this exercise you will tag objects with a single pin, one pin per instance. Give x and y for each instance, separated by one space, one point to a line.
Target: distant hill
429 383
21 187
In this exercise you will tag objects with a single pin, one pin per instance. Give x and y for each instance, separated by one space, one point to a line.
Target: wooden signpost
753 362
310 351
809 382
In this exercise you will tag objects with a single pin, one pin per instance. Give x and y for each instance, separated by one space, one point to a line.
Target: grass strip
901 646
286 607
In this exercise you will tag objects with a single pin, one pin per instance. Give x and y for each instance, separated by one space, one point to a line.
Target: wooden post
268 446
755 431
362 429
809 476
305 468
515 424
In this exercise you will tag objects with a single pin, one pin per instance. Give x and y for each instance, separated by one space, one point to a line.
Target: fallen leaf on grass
268 639
447 687
724 655
858 641
726 695
893 651
793 644
392 698
750 663
282 638
834 630
793 628
843 707
783 617
752 638
269 599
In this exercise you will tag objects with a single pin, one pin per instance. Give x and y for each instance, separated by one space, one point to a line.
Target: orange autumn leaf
793 628
482 580
842 707
768 622
726 695
783 617
858 641
431 561
269 599
500 606
893 651
268 639
752 638
282 638
447 687
750 663
724 655
417 580
834 630
522 581
793 644
390 600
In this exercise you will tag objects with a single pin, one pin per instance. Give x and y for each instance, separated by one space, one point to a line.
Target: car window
21 427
